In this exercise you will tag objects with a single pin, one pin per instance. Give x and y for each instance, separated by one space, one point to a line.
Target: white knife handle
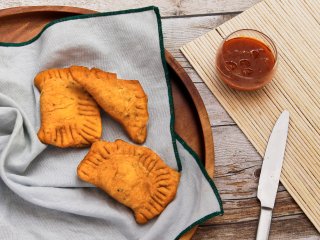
264 224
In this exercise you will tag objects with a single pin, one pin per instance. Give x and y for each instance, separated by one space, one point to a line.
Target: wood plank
217 114
168 8
238 164
180 31
237 173
214 6
295 88
286 228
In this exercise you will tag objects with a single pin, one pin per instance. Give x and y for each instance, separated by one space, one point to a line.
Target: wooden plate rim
187 82
29 9
171 61
201 110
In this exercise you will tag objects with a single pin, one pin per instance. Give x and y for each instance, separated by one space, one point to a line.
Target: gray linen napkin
40 194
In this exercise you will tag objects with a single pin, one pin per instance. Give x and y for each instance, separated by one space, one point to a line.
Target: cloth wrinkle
39 186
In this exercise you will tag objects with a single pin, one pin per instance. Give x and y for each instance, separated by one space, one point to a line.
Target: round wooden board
191 119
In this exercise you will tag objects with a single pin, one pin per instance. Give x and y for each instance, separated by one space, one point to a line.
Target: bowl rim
270 41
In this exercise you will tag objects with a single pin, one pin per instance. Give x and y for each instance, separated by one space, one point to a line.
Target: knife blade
270 173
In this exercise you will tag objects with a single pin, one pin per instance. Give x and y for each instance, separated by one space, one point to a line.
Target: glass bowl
246 60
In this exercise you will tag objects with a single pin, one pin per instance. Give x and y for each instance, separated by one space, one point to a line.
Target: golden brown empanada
123 100
69 115
133 175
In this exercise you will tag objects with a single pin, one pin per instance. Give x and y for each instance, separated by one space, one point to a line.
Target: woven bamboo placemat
294 25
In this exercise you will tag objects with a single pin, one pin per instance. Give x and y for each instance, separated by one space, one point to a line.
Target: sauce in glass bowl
246 60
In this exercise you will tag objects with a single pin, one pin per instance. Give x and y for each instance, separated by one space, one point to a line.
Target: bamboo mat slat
294 25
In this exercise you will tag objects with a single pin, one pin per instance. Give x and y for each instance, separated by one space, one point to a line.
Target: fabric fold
22 144
39 185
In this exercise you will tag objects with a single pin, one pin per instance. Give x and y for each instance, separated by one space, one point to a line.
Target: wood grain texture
200 110
295 88
168 8
295 227
237 163
179 31
23 23
234 155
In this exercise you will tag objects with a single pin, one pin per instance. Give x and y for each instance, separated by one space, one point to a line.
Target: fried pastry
124 100
133 175
69 115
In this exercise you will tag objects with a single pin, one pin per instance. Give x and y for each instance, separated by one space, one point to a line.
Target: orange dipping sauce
245 63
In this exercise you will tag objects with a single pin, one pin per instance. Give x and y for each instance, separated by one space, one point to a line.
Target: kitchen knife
270 173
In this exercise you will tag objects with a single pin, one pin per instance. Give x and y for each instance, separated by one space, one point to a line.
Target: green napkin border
174 135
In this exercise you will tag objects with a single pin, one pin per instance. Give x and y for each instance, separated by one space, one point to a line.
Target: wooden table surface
237 162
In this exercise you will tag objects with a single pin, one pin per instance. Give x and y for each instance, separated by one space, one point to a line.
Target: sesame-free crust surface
69 115
131 174
21 24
